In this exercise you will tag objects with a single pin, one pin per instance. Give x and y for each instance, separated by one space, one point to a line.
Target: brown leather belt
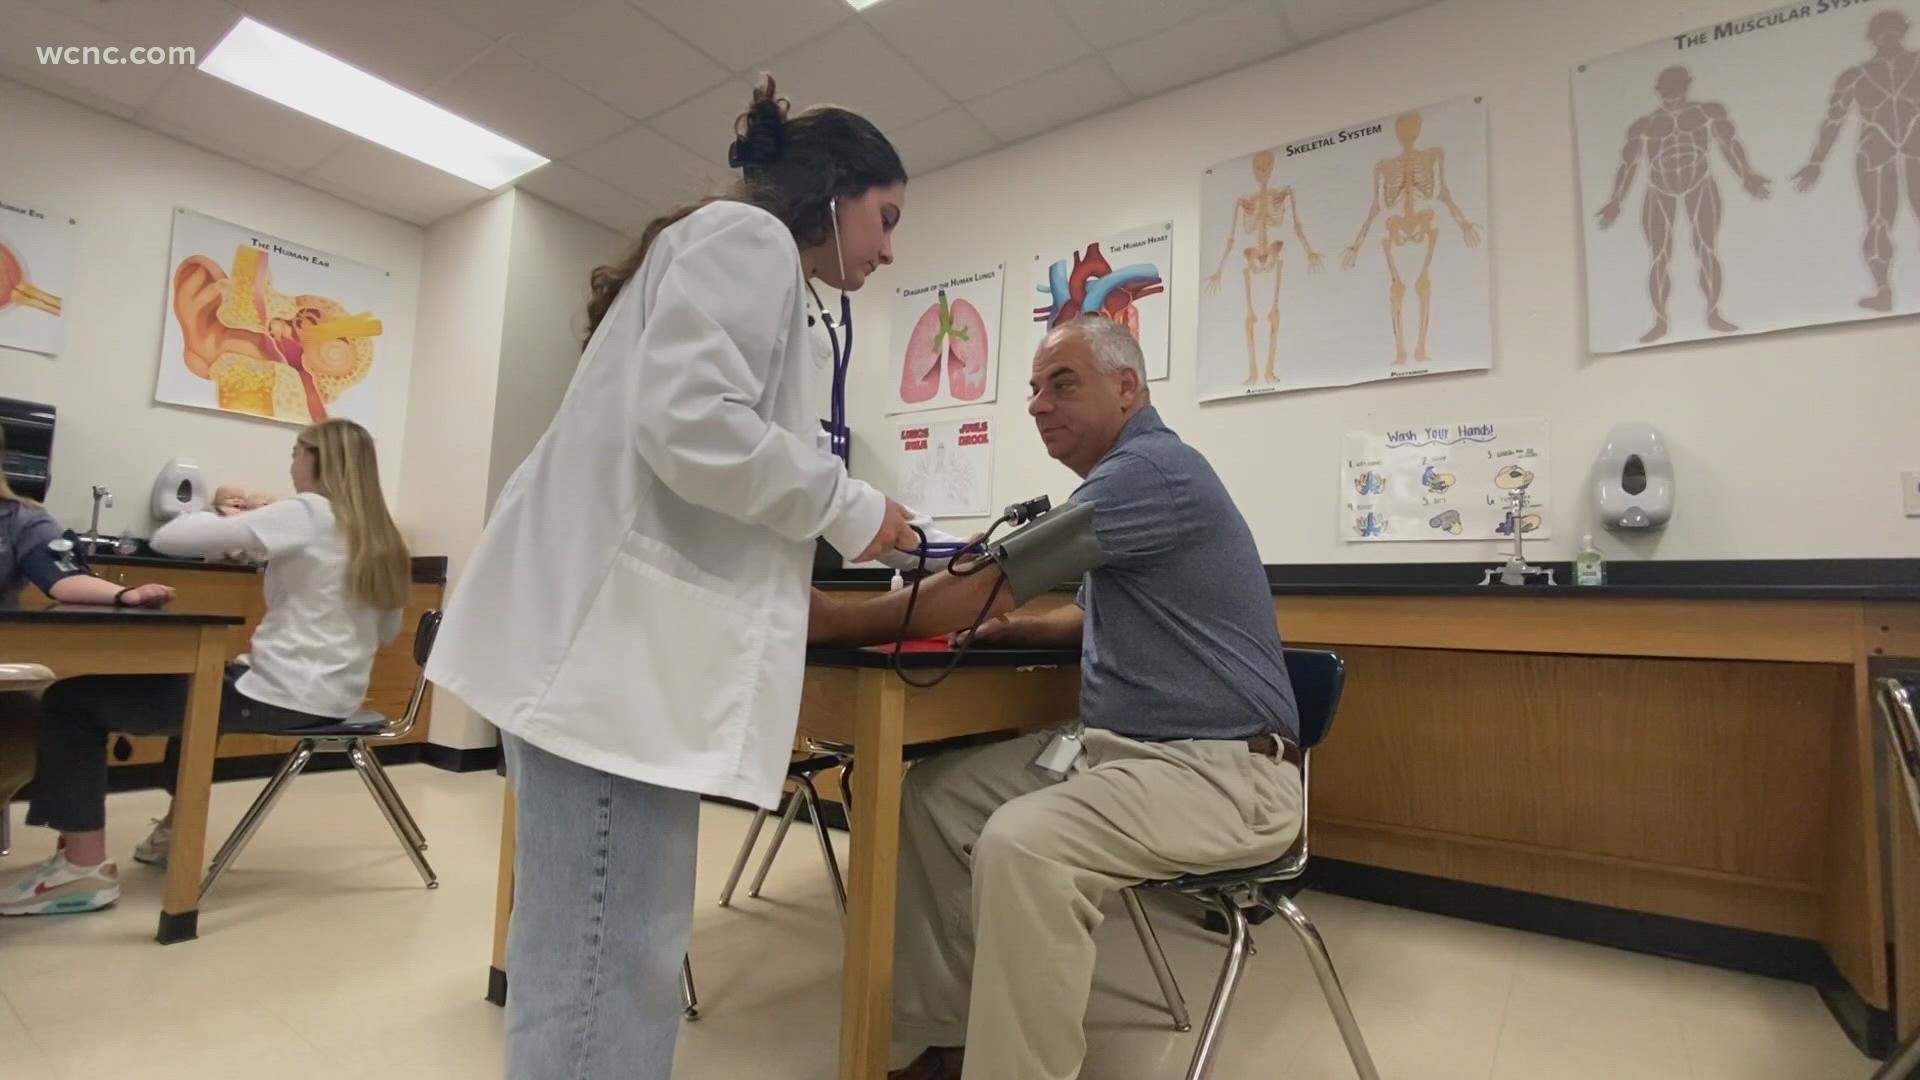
1274 746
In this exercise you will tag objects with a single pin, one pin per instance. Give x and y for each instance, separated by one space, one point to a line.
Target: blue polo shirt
1179 640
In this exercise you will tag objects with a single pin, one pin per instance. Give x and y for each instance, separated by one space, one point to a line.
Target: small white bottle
898 582
1589 568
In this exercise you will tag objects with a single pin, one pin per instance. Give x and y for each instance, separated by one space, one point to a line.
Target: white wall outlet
1910 493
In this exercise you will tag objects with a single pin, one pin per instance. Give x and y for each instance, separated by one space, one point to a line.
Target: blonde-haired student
336 581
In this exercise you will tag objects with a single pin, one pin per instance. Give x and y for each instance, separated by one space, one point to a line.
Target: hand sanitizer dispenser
1633 479
179 489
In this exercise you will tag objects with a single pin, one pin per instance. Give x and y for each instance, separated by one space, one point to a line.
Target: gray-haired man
1189 727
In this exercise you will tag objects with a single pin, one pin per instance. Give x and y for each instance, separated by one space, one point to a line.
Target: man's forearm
1055 628
946 603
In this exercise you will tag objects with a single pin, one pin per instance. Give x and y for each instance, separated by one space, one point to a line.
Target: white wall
1812 472
553 252
122 183
449 425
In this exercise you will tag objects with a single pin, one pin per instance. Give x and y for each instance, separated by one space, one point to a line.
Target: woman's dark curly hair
790 166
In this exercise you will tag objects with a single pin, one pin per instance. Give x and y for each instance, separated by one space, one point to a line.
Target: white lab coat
638 601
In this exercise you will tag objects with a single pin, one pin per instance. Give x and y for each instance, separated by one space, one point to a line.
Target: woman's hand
150 595
895 534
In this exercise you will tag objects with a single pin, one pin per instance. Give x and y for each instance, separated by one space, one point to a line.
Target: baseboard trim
250 767
1752 951
475 759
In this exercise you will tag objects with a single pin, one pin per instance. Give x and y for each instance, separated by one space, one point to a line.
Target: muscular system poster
1348 256
1758 174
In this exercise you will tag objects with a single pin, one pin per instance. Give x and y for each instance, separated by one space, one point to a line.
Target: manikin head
1407 128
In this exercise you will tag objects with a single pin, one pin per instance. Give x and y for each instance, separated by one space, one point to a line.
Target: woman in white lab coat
634 616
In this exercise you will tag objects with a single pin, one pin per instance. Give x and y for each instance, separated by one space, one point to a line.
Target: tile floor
321 956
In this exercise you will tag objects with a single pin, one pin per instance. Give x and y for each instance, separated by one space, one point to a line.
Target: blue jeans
602 909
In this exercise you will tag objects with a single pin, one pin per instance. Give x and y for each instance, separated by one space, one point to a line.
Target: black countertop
1728 579
431 569
100 615
980 657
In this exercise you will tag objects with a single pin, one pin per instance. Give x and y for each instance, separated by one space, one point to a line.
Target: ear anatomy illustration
949 337
268 353
16 289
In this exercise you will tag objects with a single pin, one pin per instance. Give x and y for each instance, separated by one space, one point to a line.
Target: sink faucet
101 497
1516 570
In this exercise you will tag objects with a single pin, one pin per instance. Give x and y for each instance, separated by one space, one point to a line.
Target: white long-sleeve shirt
313 650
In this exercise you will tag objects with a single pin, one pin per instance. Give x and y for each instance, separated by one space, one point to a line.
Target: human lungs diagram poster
1754 175
1348 256
1123 277
945 350
946 467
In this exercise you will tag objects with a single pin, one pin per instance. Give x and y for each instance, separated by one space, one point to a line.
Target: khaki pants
1003 872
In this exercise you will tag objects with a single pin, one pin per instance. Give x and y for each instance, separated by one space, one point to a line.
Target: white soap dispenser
179 489
1633 479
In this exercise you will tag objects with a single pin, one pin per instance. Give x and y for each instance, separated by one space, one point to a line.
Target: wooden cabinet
238 591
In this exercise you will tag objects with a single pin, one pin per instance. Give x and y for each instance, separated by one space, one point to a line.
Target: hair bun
760 134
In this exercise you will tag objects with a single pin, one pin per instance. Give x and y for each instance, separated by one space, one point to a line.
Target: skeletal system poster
945 350
1123 277
36 267
1753 175
946 467
1349 256
1478 480
260 325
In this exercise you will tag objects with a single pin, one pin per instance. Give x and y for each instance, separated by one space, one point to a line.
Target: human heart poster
1122 276
945 347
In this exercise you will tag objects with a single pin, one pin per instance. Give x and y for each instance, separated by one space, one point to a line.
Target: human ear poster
946 350
1445 480
1753 175
1348 256
1122 276
36 269
262 326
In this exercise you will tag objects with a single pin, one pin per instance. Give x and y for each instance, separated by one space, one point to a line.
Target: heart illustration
1092 286
947 335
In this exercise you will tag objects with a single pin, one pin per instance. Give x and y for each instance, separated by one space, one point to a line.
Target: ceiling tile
402 42
244 126
974 48
851 67
1312 20
940 140
36 77
704 125
647 165
507 93
1081 89
127 86
1106 23
393 183
565 186
1206 46
501 18
622 57
199 24
740 35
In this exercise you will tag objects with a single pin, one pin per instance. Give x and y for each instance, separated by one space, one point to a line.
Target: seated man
1189 719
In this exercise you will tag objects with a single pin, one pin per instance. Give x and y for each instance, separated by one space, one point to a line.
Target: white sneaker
153 850
57 887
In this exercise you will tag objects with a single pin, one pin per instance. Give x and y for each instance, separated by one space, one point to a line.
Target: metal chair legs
393 797
6 830
1230 972
690 999
812 799
262 804
1329 982
363 763
779 837
740 860
1157 958
1904 1064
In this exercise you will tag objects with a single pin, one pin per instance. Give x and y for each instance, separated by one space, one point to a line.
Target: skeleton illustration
1676 141
1409 183
1885 90
1259 215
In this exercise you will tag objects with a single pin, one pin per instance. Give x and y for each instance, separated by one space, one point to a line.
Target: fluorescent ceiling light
861 5
269 63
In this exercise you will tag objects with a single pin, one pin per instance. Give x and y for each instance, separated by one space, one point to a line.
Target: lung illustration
949 336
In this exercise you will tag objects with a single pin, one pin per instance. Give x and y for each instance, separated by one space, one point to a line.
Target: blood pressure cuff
43 565
1055 550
